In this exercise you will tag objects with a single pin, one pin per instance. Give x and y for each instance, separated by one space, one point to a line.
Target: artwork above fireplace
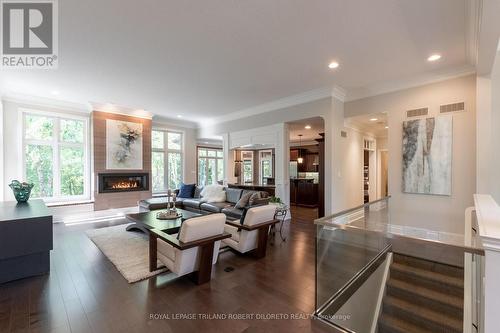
123 182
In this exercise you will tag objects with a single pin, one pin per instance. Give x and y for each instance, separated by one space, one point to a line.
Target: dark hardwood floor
85 293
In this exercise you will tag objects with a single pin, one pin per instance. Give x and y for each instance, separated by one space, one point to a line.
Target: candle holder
171 212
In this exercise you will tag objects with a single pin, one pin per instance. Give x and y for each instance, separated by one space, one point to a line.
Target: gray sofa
198 205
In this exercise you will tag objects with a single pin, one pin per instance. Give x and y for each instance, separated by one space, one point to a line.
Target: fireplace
123 182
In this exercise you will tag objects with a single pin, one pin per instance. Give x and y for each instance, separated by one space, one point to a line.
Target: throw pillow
243 202
254 198
213 193
186 190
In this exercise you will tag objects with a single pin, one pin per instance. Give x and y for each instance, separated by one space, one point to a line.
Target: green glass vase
21 191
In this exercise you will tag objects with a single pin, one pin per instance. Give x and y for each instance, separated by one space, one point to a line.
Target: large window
167 160
247 157
56 156
210 166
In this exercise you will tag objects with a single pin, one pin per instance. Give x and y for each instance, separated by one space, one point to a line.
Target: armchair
251 235
193 250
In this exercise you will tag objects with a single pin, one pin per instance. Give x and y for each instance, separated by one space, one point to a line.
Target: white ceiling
298 127
207 59
367 124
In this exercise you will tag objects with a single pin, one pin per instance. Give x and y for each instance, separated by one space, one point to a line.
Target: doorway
307 165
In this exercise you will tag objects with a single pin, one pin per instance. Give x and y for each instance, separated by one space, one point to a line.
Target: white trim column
488 218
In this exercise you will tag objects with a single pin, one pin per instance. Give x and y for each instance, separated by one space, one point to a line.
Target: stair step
428 279
427 265
422 316
438 301
391 324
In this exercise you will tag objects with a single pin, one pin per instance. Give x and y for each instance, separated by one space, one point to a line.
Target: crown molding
308 96
393 86
474 10
121 110
46 102
339 93
165 121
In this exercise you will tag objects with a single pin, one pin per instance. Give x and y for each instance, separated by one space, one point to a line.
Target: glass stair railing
376 276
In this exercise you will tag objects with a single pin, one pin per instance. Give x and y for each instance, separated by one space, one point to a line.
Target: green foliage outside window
39 170
43 145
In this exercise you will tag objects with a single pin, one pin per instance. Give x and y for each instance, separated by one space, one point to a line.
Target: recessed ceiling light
55 92
373 119
308 127
179 116
434 57
333 65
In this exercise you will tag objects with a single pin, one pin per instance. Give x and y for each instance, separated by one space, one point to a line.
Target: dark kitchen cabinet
310 161
303 192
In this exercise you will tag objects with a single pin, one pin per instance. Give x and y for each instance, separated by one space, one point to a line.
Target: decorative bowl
21 191
168 215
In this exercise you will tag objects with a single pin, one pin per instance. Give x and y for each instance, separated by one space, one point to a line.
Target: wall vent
455 107
417 112
343 134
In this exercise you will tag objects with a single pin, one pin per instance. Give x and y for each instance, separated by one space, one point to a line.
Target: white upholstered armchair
251 233
194 249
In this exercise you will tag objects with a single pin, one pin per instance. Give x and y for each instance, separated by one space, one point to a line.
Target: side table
281 213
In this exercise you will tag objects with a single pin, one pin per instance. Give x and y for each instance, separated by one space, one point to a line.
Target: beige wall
443 213
493 161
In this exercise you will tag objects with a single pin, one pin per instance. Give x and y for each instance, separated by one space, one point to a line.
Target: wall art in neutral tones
427 155
123 145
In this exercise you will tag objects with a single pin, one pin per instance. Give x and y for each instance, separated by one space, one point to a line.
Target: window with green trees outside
55 156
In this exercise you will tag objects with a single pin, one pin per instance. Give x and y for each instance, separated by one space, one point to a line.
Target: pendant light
300 159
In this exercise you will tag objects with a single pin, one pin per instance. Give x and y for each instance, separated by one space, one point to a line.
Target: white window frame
217 161
243 165
56 144
261 159
165 150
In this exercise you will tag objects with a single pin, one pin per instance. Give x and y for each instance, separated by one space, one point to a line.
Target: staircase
422 296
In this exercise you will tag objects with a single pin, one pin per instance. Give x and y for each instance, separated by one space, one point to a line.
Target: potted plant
275 201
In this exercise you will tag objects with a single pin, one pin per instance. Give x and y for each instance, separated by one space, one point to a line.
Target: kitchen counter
255 186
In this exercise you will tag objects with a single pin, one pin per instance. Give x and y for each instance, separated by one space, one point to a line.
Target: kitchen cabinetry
303 192
310 160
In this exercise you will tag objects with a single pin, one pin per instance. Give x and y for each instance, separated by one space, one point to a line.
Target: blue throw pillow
186 190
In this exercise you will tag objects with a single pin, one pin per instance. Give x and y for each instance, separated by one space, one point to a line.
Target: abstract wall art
427 155
123 145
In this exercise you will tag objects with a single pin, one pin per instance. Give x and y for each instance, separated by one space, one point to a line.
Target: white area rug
127 250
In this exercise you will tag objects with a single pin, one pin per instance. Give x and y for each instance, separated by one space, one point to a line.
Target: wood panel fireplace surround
119 188
123 182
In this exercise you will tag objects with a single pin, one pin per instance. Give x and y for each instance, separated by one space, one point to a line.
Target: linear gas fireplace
123 182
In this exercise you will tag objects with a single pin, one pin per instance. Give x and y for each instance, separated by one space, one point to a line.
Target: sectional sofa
198 205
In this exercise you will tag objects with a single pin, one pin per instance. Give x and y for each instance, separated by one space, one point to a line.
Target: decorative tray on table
168 215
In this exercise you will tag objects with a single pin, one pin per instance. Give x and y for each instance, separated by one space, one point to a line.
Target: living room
249 166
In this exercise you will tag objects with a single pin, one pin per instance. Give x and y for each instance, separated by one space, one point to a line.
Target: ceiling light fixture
308 127
333 65
300 159
55 92
434 57
179 116
386 127
373 119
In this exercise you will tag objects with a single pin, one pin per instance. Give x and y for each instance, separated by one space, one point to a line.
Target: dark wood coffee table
147 220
